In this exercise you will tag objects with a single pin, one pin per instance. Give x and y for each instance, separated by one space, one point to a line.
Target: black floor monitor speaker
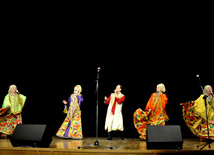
31 135
164 137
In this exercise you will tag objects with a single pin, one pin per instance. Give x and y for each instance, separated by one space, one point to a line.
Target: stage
122 147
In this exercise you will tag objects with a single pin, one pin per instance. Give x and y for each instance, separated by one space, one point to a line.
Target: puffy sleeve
199 106
80 99
23 99
6 102
164 100
212 102
149 103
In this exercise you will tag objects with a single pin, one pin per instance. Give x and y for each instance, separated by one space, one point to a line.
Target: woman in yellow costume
194 114
10 113
154 113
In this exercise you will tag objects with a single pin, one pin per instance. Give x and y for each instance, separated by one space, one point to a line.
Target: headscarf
163 89
10 88
80 89
205 89
19 98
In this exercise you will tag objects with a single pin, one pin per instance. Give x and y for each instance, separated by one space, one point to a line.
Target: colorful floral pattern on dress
72 126
157 115
141 120
8 121
197 124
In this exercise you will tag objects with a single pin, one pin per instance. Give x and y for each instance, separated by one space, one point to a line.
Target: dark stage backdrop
47 79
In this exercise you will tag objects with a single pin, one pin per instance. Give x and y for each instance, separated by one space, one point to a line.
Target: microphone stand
96 143
208 141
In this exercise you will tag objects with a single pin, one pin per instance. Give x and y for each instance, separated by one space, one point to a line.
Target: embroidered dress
157 115
114 118
72 126
194 114
10 113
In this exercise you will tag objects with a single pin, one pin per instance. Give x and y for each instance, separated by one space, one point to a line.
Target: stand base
96 144
208 142
204 146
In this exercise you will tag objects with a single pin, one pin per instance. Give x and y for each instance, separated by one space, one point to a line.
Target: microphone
98 69
199 82
211 92
198 78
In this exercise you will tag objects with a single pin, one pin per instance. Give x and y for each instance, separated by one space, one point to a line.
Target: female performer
72 126
194 114
10 114
114 118
154 113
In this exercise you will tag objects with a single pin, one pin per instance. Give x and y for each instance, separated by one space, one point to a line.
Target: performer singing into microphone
114 118
72 126
154 113
10 114
194 114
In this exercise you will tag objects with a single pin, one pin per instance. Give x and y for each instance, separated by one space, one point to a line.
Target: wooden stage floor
122 147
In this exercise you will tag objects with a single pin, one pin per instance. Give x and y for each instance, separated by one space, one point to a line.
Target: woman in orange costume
154 113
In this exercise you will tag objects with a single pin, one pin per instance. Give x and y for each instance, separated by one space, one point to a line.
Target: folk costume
194 114
157 115
114 118
72 126
10 113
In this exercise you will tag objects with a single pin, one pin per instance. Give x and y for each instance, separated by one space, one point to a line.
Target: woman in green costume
10 113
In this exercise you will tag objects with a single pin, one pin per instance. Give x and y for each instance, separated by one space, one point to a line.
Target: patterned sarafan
157 115
196 123
72 126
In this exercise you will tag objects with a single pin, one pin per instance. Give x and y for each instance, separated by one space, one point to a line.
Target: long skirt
71 128
8 122
196 124
142 119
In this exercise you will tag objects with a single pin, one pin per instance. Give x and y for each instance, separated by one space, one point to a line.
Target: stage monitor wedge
164 137
31 135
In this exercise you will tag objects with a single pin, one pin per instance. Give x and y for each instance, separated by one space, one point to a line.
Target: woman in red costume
154 113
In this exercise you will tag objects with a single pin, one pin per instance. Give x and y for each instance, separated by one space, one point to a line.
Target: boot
3 136
109 136
122 135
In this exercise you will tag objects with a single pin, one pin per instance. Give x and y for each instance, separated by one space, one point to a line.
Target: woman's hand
105 98
64 102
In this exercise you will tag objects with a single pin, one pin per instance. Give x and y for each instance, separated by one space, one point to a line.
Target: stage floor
61 146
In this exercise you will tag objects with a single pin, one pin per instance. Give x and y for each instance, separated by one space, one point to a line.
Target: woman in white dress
114 118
